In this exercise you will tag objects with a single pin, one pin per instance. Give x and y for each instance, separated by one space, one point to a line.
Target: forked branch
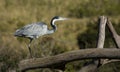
94 64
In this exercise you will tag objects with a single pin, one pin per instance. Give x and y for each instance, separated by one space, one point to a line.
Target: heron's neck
53 24
54 28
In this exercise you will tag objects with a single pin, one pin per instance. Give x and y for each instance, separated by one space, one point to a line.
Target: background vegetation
77 33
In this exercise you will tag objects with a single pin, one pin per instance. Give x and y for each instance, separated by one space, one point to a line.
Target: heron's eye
56 17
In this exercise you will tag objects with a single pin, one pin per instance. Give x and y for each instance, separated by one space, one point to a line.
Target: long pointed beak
64 18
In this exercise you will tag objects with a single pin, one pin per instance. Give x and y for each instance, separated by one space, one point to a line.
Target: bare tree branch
106 61
114 34
101 31
59 60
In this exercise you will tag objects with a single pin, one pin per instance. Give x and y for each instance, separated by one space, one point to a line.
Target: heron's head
57 18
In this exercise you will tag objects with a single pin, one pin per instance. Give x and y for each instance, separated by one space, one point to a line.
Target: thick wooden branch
59 60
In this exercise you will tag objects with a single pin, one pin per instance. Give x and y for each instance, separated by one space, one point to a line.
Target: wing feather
31 30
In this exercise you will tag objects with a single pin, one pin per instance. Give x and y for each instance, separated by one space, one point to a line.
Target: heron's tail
18 33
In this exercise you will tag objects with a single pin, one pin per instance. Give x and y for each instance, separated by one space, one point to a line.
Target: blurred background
79 32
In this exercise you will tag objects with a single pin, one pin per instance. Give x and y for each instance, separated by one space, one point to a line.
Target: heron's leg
30 48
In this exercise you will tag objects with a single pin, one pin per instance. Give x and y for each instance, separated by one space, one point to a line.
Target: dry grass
17 13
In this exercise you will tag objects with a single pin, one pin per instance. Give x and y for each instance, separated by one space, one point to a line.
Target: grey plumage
33 31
